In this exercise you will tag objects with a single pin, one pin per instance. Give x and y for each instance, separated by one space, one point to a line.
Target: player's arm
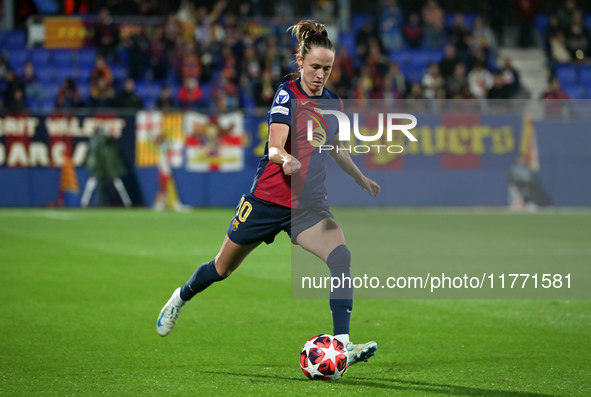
278 134
344 161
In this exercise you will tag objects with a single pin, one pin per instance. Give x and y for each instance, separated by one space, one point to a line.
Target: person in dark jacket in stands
128 98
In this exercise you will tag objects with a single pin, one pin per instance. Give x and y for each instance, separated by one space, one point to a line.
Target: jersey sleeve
281 109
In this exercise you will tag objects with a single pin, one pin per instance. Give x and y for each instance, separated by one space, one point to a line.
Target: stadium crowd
212 58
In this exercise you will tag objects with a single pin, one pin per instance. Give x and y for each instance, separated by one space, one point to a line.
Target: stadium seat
575 91
143 89
400 57
63 73
357 20
542 23
63 58
119 72
84 73
585 74
587 21
347 40
418 58
45 74
40 56
567 74
84 91
17 59
86 58
15 40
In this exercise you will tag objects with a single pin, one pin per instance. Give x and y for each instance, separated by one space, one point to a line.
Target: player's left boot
169 314
360 353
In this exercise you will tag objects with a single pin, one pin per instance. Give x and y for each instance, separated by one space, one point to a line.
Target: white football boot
360 353
169 314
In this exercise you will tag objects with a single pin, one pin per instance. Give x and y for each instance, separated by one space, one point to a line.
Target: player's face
315 69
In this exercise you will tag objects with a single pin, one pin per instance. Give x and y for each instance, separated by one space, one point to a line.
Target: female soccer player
288 192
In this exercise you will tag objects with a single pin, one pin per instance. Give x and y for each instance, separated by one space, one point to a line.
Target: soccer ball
324 357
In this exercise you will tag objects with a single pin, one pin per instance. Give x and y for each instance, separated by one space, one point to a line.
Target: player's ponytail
310 34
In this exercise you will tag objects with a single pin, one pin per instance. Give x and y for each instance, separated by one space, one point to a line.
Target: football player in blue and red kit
288 193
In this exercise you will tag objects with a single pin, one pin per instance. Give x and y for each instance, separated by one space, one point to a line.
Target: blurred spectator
526 17
4 68
191 64
106 35
264 89
556 100
390 24
138 49
158 56
13 83
456 85
433 18
566 12
101 71
415 98
498 90
432 82
68 96
128 97
33 89
558 51
523 185
551 32
190 94
394 81
364 85
577 41
448 64
225 95
459 35
16 104
482 35
511 78
165 100
367 34
413 31
101 94
479 80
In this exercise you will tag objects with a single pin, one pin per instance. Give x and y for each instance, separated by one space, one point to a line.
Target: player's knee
223 269
339 259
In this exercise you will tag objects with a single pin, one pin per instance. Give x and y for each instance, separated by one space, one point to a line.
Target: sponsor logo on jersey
282 97
280 109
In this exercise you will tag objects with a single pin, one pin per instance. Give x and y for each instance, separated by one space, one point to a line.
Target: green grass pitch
81 291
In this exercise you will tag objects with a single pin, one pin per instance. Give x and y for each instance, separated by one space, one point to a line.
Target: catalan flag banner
197 142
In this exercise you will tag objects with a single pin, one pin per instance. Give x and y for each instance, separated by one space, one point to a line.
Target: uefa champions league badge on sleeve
282 97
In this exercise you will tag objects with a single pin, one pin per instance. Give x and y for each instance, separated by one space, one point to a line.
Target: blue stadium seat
143 89
63 73
17 59
63 58
347 40
585 74
357 20
119 72
15 40
86 57
542 23
84 90
400 57
587 21
575 91
435 55
40 56
84 73
45 74
567 74
418 58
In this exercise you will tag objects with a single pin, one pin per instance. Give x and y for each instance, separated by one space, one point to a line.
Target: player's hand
367 184
291 165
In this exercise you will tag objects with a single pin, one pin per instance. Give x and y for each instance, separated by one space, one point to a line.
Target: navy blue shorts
258 220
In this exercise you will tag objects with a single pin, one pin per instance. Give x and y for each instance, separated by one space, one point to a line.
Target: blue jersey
293 107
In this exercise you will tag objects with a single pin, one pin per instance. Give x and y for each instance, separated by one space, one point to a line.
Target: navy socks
341 299
203 277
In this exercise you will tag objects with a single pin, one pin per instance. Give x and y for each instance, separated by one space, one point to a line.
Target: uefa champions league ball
324 357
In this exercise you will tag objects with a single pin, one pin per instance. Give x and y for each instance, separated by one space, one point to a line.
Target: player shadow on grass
402 385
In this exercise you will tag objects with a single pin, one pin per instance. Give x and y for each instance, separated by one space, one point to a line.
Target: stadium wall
458 161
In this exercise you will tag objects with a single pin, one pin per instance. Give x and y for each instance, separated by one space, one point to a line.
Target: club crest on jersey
319 131
235 225
282 97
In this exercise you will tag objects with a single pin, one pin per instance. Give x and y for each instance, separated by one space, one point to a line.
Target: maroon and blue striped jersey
293 107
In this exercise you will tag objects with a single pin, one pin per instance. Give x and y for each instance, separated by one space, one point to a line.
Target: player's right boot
360 353
169 314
